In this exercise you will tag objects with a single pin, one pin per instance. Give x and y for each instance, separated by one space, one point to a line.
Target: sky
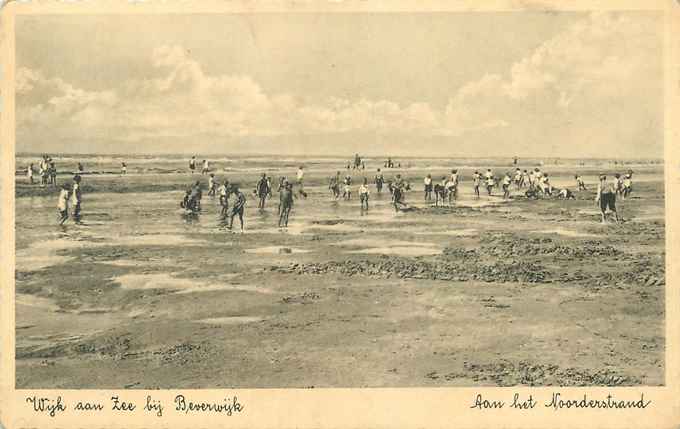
404 84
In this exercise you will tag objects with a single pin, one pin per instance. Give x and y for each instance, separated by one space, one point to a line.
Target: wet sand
488 292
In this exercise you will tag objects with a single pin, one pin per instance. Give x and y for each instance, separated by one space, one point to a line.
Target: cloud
598 61
598 79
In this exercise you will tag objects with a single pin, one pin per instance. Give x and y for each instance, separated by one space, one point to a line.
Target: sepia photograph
340 200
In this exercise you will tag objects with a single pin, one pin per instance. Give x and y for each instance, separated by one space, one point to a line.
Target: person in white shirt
627 185
450 187
29 173
606 197
300 180
579 183
428 187
454 180
363 194
490 182
62 204
547 186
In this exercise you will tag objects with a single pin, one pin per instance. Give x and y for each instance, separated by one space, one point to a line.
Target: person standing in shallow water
29 173
224 198
62 204
238 208
76 198
285 203
379 181
192 164
363 195
262 190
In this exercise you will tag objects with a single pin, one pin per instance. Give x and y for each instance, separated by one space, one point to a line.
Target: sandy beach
485 292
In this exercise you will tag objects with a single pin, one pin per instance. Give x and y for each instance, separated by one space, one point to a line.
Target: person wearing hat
606 197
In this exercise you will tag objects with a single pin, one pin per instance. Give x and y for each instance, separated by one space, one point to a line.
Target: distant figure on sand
81 168
627 184
428 187
606 197
581 186
239 207
192 164
29 174
262 190
379 181
123 168
53 174
76 198
285 203
363 194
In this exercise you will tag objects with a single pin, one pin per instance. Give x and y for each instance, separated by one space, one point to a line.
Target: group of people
232 200
205 165
70 196
47 172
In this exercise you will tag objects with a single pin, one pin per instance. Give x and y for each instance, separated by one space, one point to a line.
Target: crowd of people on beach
534 183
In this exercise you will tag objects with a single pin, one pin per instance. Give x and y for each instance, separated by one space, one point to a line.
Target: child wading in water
606 197
239 207
62 204
363 194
